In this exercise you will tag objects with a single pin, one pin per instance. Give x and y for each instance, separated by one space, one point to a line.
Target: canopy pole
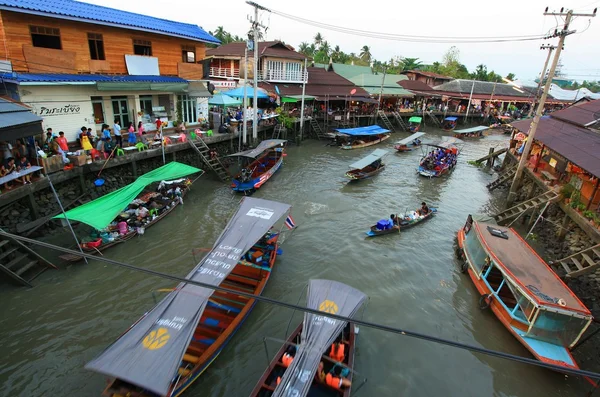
255 75
302 104
65 215
244 105
294 312
469 104
162 143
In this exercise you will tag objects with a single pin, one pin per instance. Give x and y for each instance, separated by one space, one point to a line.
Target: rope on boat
381 327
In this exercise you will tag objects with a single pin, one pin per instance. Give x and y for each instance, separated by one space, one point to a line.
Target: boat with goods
321 348
367 166
398 224
449 123
260 164
172 345
470 133
414 123
119 216
439 158
409 143
359 137
522 291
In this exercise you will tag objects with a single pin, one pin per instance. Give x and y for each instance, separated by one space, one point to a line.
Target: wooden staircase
525 206
582 262
437 122
400 121
279 132
386 121
505 176
316 128
20 262
212 163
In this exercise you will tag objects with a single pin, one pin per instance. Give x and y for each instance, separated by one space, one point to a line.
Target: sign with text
223 84
60 110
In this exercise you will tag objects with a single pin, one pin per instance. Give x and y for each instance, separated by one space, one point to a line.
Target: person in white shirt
117 130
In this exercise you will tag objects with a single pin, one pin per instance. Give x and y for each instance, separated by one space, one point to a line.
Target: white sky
427 18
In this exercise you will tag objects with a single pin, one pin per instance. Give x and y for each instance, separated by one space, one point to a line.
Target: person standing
62 142
117 129
142 133
131 139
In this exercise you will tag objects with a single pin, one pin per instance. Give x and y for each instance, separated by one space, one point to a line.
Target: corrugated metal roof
13 114
415 85
582 114
482 87
372 83
349 71
430 74
86 78
91 13
265 48
578 145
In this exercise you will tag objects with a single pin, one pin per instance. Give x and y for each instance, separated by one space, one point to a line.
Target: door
120 111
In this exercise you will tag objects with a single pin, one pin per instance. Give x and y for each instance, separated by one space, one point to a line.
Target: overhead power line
260 298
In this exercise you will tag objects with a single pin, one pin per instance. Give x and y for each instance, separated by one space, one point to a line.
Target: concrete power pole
542 76
255 26
538 113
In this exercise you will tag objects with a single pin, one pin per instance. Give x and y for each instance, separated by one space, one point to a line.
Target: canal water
49 332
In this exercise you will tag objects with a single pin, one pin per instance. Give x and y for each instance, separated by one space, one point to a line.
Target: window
188 53
45 37
98 107
96 46
142 47
188 107
294 71
146 104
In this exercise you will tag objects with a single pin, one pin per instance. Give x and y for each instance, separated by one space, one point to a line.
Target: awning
150 352
318 332
288 100
415 119
102 211
363 131
409 139
261 148
129 86
197 89
299 97
451 118
365 100
17 121
371 158
471 130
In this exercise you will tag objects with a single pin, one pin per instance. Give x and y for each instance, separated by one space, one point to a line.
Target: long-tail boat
528 298
311 344
363 136
405 222
171 345
430 166
470 133
414 123
409 143
105 212
449 123
262 162
367 166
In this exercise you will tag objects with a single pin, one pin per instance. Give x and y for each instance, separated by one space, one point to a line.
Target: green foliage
533 237
581 207
567 190
589 214
224 36
285 119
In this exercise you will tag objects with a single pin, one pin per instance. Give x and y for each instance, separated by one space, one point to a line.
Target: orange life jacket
278 380
337 352
272 240
287 360
333 381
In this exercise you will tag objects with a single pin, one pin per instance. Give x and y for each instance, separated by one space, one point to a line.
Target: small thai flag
289 222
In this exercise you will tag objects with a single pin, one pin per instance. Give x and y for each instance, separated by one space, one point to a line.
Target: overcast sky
426 18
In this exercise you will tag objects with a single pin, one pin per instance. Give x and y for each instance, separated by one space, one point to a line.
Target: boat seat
206 341
183 371
191 359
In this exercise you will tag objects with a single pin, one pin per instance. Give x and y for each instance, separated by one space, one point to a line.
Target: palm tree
325 47
411 64
365 53
304 48
318 38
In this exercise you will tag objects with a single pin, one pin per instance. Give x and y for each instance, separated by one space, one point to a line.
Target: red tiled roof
265 48
320 83
578 145
429 74
582 114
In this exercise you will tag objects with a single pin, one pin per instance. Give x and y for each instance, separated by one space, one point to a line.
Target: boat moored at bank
260 164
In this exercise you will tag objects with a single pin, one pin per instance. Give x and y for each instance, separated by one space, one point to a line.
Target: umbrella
223 100
239 93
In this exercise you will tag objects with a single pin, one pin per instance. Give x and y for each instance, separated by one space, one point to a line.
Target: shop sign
67 109
223 84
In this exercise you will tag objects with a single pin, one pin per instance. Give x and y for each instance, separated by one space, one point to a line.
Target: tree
318 39
365 53
451 65
325 47
480 73
411 64
511 77
305 49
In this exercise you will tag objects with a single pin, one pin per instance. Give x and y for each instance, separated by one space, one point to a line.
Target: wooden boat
274 378
449 123
409 143
193 324
414 123
367 166
470 133
264 161
528 298
433 168
363 136
406 223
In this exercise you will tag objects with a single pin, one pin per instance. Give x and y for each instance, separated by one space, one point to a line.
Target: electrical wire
368 324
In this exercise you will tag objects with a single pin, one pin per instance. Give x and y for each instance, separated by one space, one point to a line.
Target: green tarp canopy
287 99
102 211
415 119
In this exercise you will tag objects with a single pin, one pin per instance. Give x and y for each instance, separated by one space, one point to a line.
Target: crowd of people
440 159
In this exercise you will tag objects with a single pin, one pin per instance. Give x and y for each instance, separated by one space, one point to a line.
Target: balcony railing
224 72
284 75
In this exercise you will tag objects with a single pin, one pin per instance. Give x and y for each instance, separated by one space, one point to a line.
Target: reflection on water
49 332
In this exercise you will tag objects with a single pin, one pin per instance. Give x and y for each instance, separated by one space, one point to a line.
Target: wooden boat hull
403 225
366 144
267 382
433 173
356 175
517 329
257 180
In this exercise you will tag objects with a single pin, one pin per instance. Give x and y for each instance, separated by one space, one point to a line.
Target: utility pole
469 105
304 75
245 103
381 90
538 113
255 26
542 76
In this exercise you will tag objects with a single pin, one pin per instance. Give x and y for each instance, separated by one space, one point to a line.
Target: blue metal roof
86 78
91 13
363 131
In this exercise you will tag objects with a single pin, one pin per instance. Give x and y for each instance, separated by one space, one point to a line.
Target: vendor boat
173 344
311 344
262 163
449 123
409 143
119 216
431 167
524 293
367 166
414 124
470 133
363 136
383 227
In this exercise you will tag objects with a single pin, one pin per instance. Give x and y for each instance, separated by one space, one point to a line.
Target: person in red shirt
158 124
62 142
